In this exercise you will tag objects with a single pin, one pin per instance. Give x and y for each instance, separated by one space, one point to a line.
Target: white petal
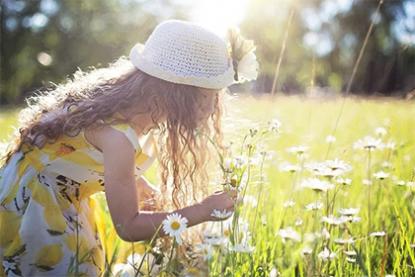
248 67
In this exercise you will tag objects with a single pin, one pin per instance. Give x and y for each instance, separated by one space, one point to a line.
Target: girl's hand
220 200
149 191
148 194
148 204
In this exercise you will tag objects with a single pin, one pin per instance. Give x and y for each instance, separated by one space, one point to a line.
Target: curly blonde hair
100 93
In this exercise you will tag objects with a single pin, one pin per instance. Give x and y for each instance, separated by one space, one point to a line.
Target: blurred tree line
45 41
323 42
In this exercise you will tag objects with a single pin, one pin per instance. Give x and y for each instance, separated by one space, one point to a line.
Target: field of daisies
326 188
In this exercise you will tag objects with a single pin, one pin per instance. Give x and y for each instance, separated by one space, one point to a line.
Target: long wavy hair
183 148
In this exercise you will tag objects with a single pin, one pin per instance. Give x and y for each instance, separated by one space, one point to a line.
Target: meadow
316 198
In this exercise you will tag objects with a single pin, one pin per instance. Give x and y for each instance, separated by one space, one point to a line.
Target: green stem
145 253
171 254
260 188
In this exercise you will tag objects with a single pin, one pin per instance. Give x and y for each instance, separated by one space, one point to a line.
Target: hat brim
217 82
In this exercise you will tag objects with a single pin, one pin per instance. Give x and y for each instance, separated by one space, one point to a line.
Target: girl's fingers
233 194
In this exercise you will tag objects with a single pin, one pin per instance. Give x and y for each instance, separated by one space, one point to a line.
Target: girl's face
207 104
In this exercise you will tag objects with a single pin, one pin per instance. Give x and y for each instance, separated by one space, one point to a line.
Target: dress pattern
47 206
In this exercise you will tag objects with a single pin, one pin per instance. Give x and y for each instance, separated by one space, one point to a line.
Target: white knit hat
186 53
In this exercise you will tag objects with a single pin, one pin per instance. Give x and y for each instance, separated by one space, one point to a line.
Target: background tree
324 39
44 41
47 40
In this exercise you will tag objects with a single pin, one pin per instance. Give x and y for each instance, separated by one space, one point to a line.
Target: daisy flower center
175 225
226 232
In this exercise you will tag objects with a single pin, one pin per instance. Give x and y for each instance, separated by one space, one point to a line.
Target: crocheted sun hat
186 53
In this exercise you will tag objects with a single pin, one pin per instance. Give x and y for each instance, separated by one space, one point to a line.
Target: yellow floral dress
47 224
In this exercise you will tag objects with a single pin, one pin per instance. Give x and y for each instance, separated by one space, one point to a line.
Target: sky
217 15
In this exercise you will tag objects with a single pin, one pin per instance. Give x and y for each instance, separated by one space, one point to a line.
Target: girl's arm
121 191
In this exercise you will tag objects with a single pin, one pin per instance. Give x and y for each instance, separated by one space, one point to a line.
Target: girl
97 133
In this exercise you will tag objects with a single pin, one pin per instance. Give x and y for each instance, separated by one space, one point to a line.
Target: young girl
97 133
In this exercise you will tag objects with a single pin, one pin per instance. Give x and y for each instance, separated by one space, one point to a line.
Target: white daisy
256 159
221 214
317 184
381 175
289 233
350 253
332 220
343 181
377 234
289 203
390 145
288 167
330 139
174 225
349 211
380 131
250 200
298 222
306 251
314 206
337 164
354 219
227 164
242 248
275 125
326 254
387 164
205 249
274 272
329 168
310 237
344 241
368 143
240 161
215 240
134 259
300 149
264 220
367 182
400 183
350 260
325 234
123 270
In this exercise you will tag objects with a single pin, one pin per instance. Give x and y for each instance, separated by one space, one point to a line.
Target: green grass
309 122
8 121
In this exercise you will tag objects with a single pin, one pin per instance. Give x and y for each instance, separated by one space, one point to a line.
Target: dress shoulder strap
142 142
129 133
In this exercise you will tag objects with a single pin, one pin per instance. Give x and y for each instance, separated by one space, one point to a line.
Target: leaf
44 267
17 271
21 250
55 233
49 256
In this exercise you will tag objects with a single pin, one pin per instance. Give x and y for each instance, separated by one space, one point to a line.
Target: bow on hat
243 57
